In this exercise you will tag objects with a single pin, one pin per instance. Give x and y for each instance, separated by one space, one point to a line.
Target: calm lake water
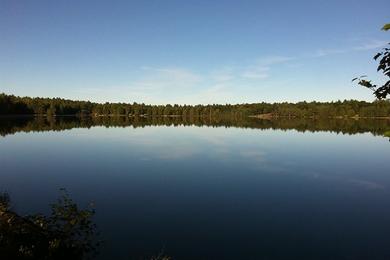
210 190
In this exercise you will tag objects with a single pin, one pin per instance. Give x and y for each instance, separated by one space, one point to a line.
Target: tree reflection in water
379 127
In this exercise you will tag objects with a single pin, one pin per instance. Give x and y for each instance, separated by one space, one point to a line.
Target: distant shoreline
260 116
25 106
268 116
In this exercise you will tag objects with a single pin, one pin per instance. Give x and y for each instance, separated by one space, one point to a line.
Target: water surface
252 189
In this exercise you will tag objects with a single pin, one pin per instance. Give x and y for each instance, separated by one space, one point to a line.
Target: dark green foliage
68 233
380 92
11 105
386 27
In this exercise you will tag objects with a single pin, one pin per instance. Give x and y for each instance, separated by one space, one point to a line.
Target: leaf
381 67
367 84
377 55
386 27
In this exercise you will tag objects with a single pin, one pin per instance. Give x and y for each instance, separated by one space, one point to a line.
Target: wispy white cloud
222 75
272 60
261 68
256 73
218 86
372 44
88 90
161 85
368 45
160 79
326 52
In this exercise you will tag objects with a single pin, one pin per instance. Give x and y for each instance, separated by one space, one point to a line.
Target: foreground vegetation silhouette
68 233
383 57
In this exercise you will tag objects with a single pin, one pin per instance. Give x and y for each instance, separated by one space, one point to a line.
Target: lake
210 189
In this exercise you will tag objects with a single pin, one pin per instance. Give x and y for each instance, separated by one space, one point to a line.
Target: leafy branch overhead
383 57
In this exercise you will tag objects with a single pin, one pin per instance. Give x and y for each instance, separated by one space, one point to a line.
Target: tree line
14 105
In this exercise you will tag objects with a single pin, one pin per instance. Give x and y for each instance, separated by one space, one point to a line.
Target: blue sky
190 51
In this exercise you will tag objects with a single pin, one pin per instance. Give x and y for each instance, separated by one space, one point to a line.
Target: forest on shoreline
14 105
